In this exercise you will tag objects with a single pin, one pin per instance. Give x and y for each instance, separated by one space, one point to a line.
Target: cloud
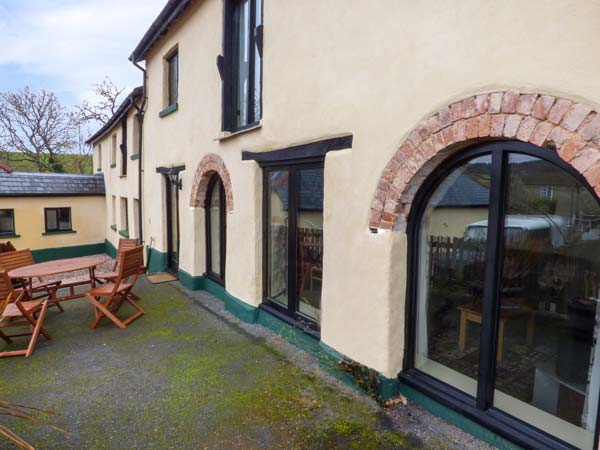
68 45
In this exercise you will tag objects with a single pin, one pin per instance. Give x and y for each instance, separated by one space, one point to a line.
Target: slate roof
464 191
30 184
311 189
160 26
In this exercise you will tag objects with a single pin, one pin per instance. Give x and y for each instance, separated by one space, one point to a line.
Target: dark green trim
50 233
113 227
455 418
110 249
168 110
158 261
49 254
112 166
9 236
134 156
124 233
329 358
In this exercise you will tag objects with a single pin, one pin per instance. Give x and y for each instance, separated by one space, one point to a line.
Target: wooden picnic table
58 267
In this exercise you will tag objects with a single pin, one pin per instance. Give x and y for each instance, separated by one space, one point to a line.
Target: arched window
215 229
504 285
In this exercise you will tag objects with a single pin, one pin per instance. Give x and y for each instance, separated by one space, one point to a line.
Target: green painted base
456 419
329 358
110 249
157 261
49 254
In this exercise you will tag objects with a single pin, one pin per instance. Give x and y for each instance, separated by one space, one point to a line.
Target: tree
108 94
35 127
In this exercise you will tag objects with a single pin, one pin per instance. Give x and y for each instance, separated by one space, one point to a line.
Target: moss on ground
180 377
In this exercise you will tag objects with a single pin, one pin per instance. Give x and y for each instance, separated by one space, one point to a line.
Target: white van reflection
519 229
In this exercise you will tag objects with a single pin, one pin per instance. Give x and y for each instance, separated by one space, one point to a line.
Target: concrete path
188 375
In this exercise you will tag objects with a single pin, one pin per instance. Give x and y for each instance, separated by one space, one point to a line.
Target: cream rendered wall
374 69
29 221
116 184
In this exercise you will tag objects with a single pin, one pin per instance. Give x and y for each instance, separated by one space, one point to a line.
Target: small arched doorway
504 279
215 226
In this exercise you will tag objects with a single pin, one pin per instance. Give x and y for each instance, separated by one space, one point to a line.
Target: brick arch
570 128
208 166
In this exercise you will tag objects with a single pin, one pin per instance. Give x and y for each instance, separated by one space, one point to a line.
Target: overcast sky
68 45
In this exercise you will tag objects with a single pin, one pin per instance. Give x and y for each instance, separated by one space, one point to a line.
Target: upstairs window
241 65
172 78
124 147
99 166
113 150
7 222
58 219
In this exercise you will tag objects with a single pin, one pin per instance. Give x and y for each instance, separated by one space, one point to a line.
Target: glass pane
279 189
243 56
310 241
548 368
173 78
51 219
174 224
64 219
257 67
452 251
215 229
6 221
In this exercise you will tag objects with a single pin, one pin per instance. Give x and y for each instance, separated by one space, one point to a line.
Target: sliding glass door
294 241
504 301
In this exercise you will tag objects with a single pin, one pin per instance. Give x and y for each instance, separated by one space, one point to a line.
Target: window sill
7 236
229 134
122 176
134 156
98 170
51 233
168 110
113 227
112 166
124 233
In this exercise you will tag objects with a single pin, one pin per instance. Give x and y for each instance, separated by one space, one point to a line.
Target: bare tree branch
108 102
35 127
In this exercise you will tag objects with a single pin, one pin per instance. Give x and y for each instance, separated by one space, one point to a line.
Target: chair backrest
7 291
130 264
124 244
16 259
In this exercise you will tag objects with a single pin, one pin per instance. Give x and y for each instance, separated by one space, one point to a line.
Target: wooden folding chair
108 298
21 258
124 244
14 312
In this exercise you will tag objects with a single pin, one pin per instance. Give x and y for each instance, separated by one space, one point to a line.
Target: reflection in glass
310 241
215 228
243 47
278 192
452 247
548 369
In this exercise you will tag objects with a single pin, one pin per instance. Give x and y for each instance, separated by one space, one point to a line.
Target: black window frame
172 82
123 147
58 229
290 314
229 68
480 409
12 214
215 182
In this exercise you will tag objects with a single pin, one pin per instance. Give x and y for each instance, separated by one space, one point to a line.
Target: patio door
172 213
504 294
293 218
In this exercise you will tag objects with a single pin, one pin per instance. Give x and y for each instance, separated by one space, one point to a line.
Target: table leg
37 329
500 342
93 277
462 335
530 329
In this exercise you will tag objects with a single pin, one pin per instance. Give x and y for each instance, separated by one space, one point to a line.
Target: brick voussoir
572 128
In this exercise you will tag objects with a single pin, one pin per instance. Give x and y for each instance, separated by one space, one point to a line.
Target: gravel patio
189 375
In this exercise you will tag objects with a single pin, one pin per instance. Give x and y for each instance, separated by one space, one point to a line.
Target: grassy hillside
71 163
